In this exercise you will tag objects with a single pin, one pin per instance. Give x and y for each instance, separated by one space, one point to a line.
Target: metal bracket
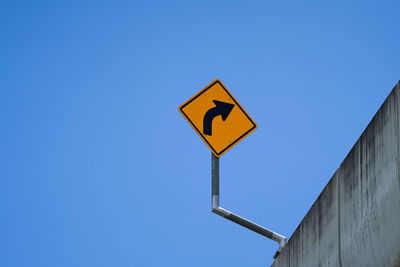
236 218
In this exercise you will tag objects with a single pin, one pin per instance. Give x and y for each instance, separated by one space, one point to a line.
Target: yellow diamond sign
217 117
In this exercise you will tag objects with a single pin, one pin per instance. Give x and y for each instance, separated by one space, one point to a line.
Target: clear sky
98 168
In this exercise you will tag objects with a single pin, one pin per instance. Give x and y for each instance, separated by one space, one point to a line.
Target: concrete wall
356 219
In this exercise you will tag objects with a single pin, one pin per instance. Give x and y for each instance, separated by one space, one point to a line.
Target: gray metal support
233 217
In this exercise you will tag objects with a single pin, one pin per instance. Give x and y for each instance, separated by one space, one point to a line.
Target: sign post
236 218
222 122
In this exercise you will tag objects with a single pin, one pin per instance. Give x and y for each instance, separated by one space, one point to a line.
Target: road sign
217 117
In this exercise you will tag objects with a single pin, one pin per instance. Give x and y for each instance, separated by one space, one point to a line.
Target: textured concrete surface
356 219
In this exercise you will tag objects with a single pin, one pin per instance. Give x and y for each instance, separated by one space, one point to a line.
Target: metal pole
236 218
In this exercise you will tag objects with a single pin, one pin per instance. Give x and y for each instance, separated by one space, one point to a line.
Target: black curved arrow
221 108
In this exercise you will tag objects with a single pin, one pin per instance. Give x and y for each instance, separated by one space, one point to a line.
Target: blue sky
98 168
